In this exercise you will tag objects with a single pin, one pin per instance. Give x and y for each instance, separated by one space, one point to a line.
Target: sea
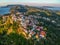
54 9
4 10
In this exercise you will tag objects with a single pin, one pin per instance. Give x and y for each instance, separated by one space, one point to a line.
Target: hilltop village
31 22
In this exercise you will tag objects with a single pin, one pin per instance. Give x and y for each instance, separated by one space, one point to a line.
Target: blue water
4 10
54 9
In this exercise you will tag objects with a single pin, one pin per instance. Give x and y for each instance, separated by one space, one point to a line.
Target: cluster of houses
31 20
25 21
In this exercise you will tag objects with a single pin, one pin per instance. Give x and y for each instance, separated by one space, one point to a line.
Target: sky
2 2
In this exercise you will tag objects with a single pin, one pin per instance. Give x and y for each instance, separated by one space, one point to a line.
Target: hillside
26 25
